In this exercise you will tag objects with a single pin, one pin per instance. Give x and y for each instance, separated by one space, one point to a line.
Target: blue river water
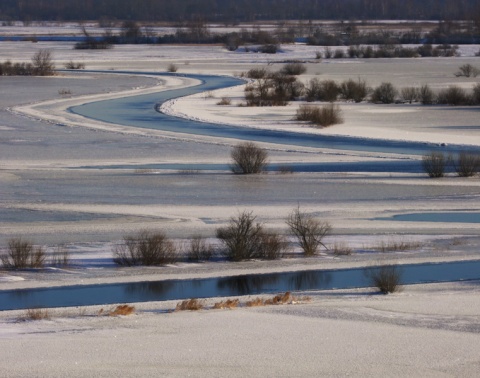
252 284
140 111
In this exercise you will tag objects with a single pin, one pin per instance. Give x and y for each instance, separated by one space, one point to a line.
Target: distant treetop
238 10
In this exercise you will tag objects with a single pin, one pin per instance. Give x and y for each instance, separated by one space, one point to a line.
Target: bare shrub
467 164
248 158
410 94
60 257
426 95
22 254
476 94
242 237
385 93
467 70
64 92
327 52
42 63
256 73
309 231
145 248
387 278
226 304
123 310
352 90
199 250
434 164
172 68
189 305
294 68
224 101
325 90
269 48
341 249
453 95
272 246
339 54
71 65
324 116
285 169
37 314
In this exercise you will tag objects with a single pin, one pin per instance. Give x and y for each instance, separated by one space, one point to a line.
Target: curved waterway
252 284
140 111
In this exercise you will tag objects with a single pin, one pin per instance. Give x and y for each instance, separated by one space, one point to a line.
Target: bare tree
309 231
42 63
248 158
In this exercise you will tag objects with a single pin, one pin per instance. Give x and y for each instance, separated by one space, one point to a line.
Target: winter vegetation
104 202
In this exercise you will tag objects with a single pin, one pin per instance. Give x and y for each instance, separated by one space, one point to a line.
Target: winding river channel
141 111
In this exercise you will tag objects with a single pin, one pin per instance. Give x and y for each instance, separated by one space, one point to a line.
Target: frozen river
140 111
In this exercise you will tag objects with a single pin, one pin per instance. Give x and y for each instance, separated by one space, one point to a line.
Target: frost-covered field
49 196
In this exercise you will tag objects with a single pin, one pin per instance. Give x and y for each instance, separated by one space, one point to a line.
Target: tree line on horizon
232 11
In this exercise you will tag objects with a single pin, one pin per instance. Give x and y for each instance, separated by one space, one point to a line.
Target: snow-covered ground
48 195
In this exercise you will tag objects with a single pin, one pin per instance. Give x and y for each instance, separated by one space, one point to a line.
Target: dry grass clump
37 314
117 311
280 299
324 116
189 305
386 278
341 249
257 302
122 310
285 169
396 245
286 298
227 304
60 257
145 248
198 249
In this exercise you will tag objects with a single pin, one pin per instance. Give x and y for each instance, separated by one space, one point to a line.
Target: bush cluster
465 164
388 51
41 65
272 89
324 116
